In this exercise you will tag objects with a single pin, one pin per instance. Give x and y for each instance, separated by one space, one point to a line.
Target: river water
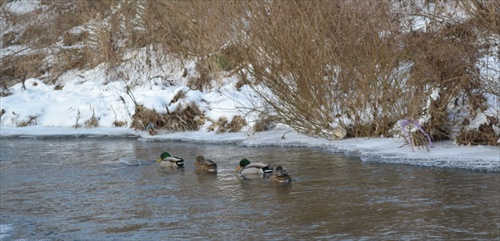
109 189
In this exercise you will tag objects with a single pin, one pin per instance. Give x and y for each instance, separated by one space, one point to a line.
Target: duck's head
163 156
243 163
279 171
280 175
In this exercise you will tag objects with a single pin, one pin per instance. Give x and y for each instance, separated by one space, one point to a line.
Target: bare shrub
264 123
230 58
320 60
484 135
16 68
352 64
447 65
242 81
485 13
187 28
202 81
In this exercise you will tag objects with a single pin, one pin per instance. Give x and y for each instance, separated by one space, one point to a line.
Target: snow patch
22 6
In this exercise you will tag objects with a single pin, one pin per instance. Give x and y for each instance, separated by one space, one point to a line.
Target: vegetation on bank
321 66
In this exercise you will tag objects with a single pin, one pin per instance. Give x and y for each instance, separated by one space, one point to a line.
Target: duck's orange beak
238 168
159 160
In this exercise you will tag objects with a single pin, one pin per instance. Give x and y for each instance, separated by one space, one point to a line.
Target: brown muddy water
94 189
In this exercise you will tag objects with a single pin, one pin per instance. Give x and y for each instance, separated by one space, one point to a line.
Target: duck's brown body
204 165
280 176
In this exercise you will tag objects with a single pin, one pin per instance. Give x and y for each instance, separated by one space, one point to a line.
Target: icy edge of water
5 229
444 154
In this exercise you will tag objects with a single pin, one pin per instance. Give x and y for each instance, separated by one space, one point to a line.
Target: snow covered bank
385 150
89 95
442 75
46 111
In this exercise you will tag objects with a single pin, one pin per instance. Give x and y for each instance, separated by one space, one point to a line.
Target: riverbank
443 154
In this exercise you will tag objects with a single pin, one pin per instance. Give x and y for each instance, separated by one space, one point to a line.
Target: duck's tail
267 169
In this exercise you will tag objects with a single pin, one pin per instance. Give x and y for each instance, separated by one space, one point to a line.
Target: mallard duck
166 160
280 175
245 167
204 165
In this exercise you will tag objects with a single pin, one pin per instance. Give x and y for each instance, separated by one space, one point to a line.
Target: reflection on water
96 189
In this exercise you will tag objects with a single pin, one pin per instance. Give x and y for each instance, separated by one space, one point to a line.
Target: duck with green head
204 165
166 160
246 167
280 176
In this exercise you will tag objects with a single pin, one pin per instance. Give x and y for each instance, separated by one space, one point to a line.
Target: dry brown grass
223 125
203 80
236 124
184 119
92 122
16 68
264 123
10 39
29 122
39 32
218 126
484 135
119 123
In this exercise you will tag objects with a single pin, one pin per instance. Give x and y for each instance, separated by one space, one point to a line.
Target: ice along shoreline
444 154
